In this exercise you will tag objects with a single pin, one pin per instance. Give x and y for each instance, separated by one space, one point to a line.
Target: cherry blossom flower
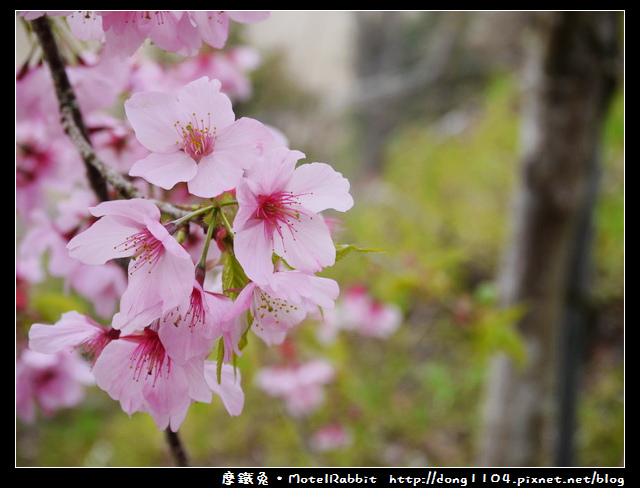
330 437
194 137
137 371
213 26
192 328
170 30
369 316
278 307
161 271
178 31
49 382
279 208
300 386
74 331
229 66
359 312
102 285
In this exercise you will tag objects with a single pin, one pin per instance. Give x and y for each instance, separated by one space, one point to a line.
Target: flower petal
165 170
153 116
254 250
70 331
309 247
319 187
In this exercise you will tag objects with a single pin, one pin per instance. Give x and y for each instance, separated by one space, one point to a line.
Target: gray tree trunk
568 83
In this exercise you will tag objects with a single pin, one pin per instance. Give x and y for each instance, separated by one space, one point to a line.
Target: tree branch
98 173
177 450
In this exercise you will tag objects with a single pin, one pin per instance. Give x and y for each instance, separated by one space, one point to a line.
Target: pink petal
165 170
131 212
99 243
115 376
71 330
153 116
254 250
215 176
202 99
319 187
229 389
310 247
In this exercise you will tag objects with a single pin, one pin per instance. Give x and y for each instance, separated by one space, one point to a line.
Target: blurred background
431 115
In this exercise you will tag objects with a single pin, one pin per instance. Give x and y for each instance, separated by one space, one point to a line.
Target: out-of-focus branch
99 174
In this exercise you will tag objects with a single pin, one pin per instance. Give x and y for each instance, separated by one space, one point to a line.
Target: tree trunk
568 80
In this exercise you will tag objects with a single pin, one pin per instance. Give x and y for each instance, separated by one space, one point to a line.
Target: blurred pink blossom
330 437
359 312
300 386
49 382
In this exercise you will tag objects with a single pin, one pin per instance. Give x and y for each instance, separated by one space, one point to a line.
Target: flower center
147 250
148 357
278 210
93 346
267 308
193 317
197 138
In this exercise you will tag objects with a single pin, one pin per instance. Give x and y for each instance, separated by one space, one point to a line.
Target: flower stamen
197 137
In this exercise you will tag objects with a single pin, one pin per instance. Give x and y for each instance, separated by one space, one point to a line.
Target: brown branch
98 173
177 450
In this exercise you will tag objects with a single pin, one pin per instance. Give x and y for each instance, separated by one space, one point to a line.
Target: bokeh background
422 111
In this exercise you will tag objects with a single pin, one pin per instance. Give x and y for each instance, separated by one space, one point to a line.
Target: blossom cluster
170 293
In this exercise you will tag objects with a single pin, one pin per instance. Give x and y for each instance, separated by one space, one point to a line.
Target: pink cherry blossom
124 31
330 437
279 208
369 316
193 327
102 285
359 312
213 26
74 331
285 302
229 66
137 371
44 162
49 382
161 271
194 137
300 386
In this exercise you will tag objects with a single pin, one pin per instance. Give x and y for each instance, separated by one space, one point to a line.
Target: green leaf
233 277
220 360
343 249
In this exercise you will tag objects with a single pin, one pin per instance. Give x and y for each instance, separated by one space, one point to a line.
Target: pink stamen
93 346
148 357
147 250
279 210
